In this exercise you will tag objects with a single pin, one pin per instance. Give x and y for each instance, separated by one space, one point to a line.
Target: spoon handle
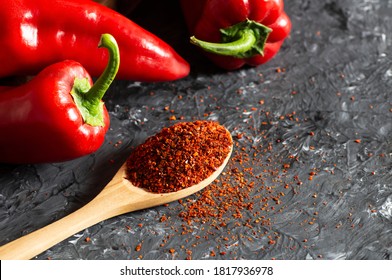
117 198
112 201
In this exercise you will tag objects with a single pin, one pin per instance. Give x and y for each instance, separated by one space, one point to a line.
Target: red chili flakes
272 242
250 190
188 254
138 247
179 156
286 166
239 192
357 141
240 135
118 143
163 218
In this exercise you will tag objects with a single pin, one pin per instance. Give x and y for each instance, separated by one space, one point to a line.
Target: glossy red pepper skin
40 122
205 19
35 34
58 115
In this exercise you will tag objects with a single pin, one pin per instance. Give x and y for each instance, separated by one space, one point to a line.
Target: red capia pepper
59 114
237 32
35 34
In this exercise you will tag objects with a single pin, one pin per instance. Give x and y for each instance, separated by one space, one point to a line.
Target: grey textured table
311 174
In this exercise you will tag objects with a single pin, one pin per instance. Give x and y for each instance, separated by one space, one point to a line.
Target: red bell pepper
35 34
237 32
59 114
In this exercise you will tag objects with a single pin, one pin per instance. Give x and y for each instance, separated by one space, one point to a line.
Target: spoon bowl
118 197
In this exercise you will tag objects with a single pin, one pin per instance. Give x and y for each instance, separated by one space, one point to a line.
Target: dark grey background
327 108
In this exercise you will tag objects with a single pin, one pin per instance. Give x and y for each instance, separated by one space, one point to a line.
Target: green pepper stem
88 99
100 87
242 45
241 40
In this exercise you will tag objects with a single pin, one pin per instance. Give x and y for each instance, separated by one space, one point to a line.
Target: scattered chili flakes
118 143
179 156
271 242
240 135
239 192
138 247
163 218
253 187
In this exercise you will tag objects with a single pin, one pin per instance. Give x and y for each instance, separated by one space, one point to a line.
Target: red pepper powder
251 192
179 156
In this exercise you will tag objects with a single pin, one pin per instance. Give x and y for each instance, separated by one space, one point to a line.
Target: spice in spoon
179 156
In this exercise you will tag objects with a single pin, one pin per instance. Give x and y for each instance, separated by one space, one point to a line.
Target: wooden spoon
118 197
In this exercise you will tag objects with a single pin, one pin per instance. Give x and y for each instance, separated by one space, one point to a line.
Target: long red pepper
237 32
59 114
35 34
